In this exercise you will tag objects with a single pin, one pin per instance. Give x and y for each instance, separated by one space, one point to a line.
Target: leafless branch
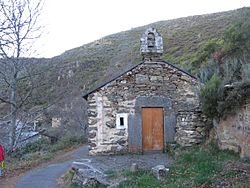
18 26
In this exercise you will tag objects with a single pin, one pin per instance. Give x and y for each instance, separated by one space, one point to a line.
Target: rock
122 141
88 177
92 113
133 167
92 134
92 144
120 133
142 79
110 125
160 171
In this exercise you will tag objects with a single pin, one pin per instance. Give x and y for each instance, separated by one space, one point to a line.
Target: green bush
206 50
213 55
219 101
210 96
246 72
38 145
43 145
68 141
207 70
233 99
237 38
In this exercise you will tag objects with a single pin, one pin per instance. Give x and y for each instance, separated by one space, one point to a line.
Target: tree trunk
13 111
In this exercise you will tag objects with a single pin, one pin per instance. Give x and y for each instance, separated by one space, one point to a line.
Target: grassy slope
102 59
203 167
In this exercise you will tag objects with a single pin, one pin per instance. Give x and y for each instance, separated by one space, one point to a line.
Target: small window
121 121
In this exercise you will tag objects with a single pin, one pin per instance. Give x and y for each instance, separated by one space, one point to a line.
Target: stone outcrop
233 133
150 83
87 176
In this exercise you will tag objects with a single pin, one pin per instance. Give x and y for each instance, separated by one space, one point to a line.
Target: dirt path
10 182
47 175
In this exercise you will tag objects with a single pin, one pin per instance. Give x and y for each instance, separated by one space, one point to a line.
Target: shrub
233 99
246 72
206 50
210 96
237 38
68 141
39 145
207 70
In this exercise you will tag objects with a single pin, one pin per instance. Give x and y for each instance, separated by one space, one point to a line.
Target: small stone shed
145 108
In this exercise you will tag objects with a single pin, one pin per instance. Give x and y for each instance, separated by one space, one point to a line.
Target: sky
72 23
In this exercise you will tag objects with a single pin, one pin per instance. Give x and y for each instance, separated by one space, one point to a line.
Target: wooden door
152 129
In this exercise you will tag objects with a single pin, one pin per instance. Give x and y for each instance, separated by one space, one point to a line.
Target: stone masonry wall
191 128
234 132
119 96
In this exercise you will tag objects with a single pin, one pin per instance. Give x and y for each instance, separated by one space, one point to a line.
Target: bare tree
19 28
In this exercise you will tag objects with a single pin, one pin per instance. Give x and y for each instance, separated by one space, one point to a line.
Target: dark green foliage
220 100
207 70
39 145
237 37
206 50
224 93
68 141
210 96
44 146
233 99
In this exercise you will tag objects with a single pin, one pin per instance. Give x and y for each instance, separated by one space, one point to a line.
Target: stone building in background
147 107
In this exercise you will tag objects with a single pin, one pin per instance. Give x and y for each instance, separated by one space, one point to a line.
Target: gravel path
47 177
147 161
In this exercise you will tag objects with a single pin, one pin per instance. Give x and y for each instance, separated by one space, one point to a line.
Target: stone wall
234 132
191 128
150 79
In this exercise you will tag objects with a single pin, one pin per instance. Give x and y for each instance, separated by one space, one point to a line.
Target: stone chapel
147 107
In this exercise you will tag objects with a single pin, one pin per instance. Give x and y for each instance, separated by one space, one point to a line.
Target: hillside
81 69
103 58
66 77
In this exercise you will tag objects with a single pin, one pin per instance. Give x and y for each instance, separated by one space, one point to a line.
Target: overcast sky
72 23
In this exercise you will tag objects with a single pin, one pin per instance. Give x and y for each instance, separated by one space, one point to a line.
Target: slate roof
85 95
